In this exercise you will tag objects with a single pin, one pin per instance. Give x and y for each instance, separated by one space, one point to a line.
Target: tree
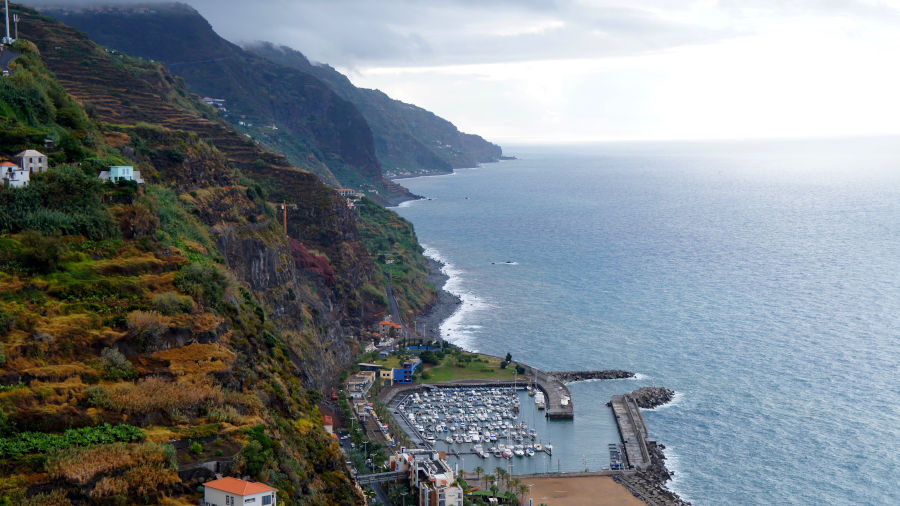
508 356
478 472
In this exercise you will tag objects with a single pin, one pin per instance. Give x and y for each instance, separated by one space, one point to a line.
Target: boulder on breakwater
651 397
572 376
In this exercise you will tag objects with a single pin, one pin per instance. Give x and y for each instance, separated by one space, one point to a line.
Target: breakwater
572 376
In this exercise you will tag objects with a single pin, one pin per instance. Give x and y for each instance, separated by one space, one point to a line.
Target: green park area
454 364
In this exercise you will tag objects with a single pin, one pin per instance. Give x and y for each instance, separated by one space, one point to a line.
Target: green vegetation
391 238
62 201
29 442
463 365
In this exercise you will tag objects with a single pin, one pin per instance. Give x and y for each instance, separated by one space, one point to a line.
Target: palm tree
478 472
495 490
501 474
523 489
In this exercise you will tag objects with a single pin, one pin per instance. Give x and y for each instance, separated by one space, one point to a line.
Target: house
234 492
430 475
346 192
121 173
385 326
329 424
405 374
32 161
360 383
13 175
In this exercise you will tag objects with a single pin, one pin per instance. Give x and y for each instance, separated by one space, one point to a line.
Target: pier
632 429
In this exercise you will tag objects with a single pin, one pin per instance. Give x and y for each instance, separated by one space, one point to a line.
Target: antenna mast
6 40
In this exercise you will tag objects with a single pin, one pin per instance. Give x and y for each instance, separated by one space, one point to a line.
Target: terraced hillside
151 333
316 128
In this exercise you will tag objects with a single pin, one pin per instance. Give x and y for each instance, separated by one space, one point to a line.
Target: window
266 500
248 501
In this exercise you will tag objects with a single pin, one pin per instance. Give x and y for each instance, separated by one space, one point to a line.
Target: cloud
603 69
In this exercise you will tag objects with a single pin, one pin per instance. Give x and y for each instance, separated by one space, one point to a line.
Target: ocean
760 280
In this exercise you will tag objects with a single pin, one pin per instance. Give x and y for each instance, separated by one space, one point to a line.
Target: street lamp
403 494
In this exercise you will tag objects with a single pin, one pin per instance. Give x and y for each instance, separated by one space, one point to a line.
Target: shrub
156 394
203 282
196 448
116 366
40 253
170 303
146 327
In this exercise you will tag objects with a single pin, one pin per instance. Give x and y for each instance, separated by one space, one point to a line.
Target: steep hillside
172 324
285 109
409 140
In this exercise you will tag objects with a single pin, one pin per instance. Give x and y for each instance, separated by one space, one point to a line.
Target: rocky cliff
283 108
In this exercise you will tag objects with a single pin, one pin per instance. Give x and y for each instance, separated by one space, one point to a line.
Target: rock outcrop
651 397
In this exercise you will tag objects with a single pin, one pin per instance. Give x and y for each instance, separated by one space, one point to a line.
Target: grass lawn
481 367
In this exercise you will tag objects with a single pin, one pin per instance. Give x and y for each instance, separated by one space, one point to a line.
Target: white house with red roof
13 175
230 491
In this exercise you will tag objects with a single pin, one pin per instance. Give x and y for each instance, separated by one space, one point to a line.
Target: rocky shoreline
648 485
430 322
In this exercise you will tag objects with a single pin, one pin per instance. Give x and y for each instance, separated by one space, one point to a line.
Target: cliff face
265 85
314 127
409 140
180 306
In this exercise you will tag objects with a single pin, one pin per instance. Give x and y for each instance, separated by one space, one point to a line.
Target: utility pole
16 24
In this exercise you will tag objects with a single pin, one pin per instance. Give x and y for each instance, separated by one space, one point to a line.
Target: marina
491 426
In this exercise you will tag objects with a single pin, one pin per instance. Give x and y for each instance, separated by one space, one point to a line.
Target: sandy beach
580 491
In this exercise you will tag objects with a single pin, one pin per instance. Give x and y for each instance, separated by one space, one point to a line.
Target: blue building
405 374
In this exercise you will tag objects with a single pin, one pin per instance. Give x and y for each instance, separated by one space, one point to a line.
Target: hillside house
121 173
346 192
13 175
32 161
234 492
384 327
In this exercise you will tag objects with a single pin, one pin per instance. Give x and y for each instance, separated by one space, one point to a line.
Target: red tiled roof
7 164
238 487
328 420
391 324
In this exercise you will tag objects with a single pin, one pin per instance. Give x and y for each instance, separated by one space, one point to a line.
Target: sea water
759 280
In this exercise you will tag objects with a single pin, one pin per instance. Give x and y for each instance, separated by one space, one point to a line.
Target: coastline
648 486
446 305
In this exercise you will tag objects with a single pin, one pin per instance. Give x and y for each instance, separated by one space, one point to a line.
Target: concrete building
430 476
360 383
234 492
32 161
405 373
346 192
386 377
121 173
13 175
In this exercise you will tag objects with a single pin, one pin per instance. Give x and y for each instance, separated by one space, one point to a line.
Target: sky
592 70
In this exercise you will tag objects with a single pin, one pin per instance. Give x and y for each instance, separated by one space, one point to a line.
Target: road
6 57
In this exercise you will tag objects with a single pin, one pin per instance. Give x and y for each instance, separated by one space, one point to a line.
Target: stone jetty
572 376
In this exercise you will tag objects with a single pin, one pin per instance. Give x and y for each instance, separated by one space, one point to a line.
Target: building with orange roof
13 175
230 491
385 326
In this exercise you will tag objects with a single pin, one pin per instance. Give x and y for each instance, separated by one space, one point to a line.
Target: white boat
539 447
529 451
